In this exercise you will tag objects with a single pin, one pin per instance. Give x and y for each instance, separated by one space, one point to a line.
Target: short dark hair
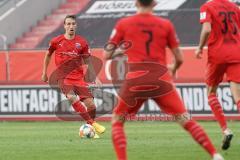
145 3
70 16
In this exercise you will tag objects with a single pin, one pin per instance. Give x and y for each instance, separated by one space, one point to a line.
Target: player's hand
44 78
117 53
172 70
198 53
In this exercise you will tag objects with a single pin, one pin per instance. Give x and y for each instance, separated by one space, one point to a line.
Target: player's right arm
206 30
238 16
111 49
205 20
47 60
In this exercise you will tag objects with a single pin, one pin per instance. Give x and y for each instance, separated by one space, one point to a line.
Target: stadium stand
104 16
48 24
5 5
2 2
15 16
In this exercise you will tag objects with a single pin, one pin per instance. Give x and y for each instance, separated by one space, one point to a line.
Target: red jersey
149 35
66 50
224 39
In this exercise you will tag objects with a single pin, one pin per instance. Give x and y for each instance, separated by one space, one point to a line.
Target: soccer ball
86 130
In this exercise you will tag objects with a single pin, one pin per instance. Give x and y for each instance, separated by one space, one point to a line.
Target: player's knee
182 118
72 98
235 89
118 118
211 90
89 103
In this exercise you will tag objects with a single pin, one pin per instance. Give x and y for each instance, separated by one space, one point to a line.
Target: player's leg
219 114
216 107
177 109
198 134
118 135
85 95
68 89
215 73
214 76
235 89
79 107
91 109
233 77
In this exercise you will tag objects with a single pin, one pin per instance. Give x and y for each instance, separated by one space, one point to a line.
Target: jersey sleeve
205 15
86 50
173 40
117 34
239 15
52 46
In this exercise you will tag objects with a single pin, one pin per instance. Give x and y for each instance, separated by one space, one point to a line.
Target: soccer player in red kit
149 35
73 48
220 21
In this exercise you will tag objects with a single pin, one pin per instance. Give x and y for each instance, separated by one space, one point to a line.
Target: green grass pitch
146 140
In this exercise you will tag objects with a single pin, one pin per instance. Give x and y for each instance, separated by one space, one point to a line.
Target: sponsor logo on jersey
71 54
78 45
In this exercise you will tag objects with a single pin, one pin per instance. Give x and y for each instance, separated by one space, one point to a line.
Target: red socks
79 108
200 136
92 111
119 140
217 110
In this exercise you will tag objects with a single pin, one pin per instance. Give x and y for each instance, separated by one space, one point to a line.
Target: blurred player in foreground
220 21
148 72
71 51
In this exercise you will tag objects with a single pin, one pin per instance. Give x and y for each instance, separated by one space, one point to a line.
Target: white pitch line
7 13
20 3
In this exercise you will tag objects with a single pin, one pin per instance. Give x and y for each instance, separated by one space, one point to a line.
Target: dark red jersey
224 40
67 50
149 35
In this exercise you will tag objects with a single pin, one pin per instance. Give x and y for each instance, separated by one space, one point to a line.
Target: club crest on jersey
203 15
78 45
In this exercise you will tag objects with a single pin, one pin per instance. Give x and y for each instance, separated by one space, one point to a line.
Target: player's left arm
91 71
87 58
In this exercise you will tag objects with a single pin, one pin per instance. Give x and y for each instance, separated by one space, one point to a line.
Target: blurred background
28 25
